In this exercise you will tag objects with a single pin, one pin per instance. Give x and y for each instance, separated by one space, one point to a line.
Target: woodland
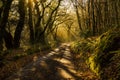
41 37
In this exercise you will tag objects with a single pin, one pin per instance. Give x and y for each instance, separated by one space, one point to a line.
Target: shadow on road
57 65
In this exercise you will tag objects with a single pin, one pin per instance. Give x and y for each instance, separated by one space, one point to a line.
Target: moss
104 53
104 59
92 65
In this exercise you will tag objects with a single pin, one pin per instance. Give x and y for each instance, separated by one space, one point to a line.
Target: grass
82 50
101 54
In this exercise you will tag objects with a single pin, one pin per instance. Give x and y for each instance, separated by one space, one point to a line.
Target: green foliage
92 64
86 33
37 48
17 56
106 54
32 50
83 46
75 47
1 4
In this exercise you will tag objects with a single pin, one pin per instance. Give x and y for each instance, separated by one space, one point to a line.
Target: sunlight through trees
32 26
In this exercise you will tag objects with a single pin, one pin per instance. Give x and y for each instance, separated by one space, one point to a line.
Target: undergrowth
101 54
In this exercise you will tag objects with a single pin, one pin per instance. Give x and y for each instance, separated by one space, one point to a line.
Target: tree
75 4
4 19
30 22
20 24
45 13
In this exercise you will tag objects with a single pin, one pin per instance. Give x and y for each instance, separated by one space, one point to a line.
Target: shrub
104 58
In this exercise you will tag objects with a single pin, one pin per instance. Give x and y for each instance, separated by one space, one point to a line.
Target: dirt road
56 65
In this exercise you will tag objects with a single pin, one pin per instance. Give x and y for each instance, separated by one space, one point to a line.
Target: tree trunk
1 41
93 19
20 25
3 33
8 39
31 22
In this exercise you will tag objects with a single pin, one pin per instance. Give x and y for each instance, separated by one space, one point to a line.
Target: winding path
56 65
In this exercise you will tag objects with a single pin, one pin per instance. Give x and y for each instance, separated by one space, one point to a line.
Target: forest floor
58 64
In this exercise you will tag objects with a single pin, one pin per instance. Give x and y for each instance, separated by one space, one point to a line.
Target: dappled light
59 39
60 67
